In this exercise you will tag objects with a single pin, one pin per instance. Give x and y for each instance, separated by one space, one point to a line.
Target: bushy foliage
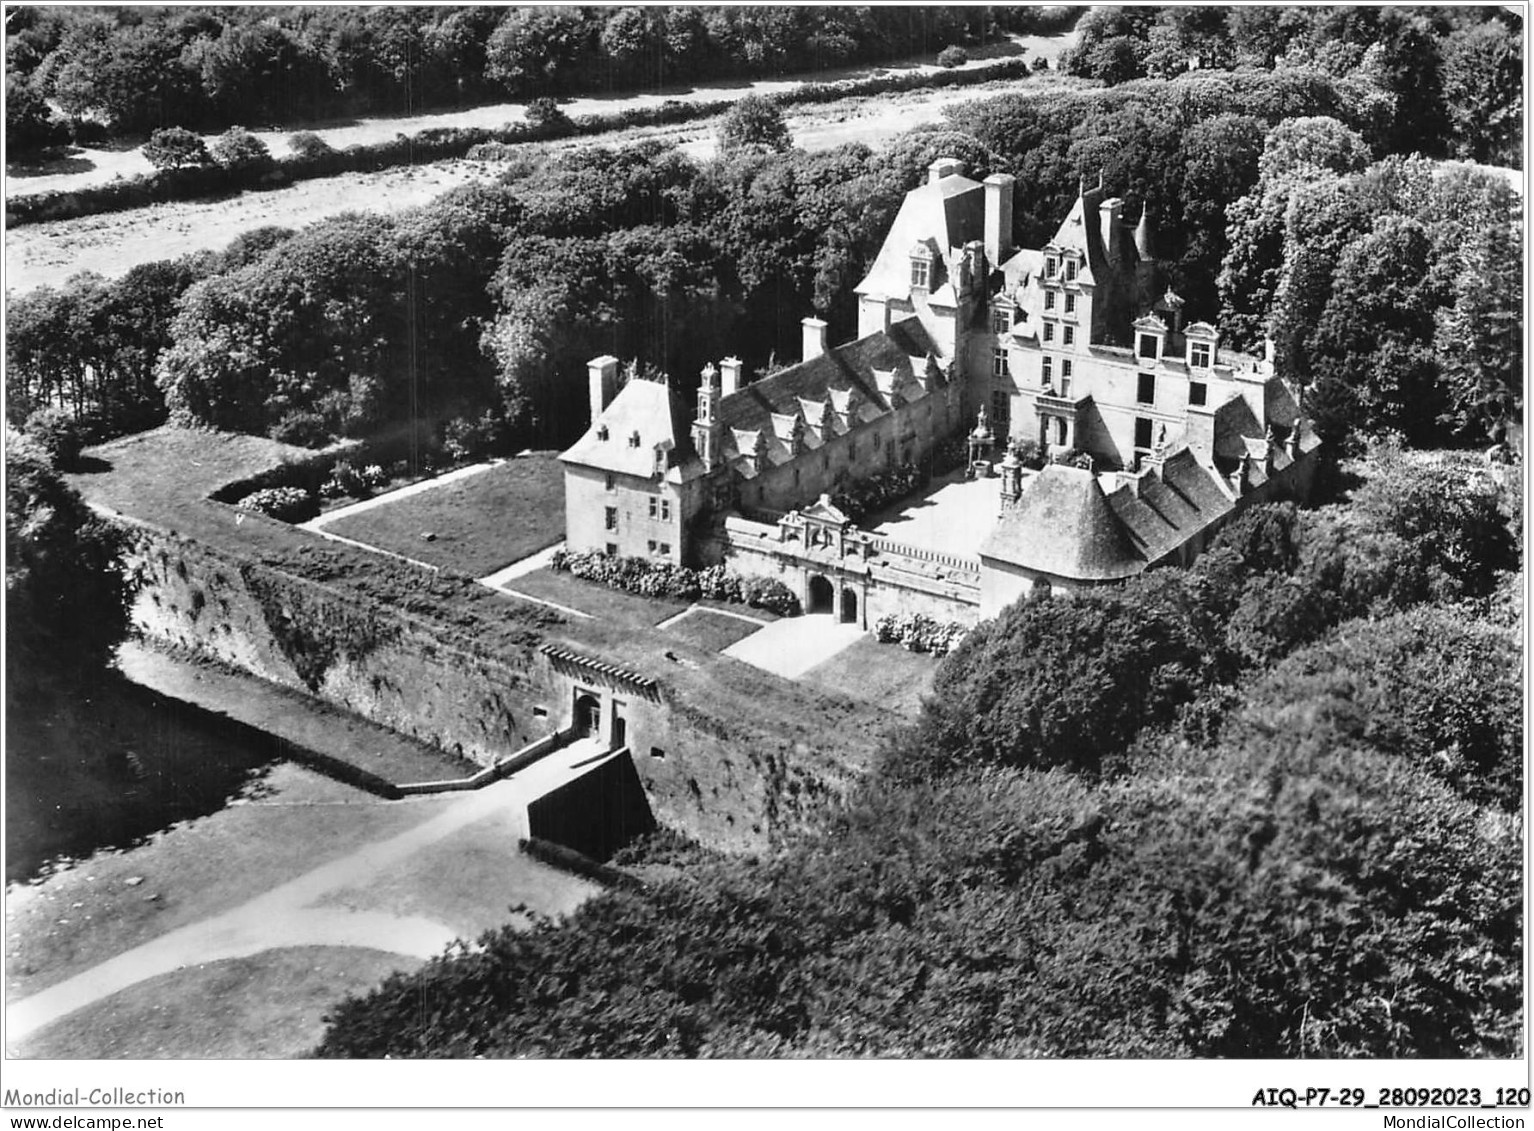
662 579
66 596
58 434
754 124
237 148
287 504
952 56
465 439
917 632
863 497
176 148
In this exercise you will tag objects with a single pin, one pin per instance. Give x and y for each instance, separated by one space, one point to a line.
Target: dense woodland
126 71
1270 805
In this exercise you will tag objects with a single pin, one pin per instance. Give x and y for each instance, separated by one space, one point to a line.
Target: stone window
665 510
634 438
1146 393
1070 304
1049 331
921 272
602 433
1001 408
1198 355
1198 393
665 549
612 481
654 507
612 518
1001 320
1142 433
650 545
999 367
1070 334
1051 266
657 753
1049 300
1066 366
1070 270
612 549
1048 371
1147 345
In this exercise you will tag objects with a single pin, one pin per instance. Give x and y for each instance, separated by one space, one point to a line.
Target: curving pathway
286 916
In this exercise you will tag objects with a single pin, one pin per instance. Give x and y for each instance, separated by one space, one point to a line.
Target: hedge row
919 633
662 579
438 143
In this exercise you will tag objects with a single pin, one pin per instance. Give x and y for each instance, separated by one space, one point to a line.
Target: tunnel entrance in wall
822 595
588 715
849 606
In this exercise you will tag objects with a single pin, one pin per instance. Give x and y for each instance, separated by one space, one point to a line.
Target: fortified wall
719 758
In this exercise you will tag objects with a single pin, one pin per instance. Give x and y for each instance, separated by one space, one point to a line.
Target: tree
176 148
309 146
754 124
237 149
66 598
29 124
1482 88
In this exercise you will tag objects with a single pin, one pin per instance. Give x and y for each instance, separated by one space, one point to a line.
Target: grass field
885 674
481 522
711 631
610 606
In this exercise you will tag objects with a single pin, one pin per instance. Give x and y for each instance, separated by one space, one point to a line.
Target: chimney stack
1109 212
998 218
814 338
603 374
730 367
944 167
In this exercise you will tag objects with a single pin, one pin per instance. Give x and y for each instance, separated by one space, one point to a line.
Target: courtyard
952 516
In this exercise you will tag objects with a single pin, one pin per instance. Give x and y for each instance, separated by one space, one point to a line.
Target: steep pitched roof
1171 506
647 410
1064 526
949 212
841 389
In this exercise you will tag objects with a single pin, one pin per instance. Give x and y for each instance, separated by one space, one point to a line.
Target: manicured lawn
712 631
610 606
879 673
481 522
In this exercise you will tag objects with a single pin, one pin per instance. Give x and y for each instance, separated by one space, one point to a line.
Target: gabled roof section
1173 504
647 409
945 214
833 393
1064 526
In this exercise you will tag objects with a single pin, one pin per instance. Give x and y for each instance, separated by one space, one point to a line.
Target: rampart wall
730 782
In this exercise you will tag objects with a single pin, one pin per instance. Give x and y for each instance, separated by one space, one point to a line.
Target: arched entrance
588 715
822 595
849 606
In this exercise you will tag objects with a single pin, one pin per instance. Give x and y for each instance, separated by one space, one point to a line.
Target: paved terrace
952 516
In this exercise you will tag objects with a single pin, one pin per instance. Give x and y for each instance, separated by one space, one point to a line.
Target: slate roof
646 409
1064 526
1171 507
949 212
844 388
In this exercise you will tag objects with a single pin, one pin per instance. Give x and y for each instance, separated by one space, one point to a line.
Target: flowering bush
290 504
868 495
662 579
917 632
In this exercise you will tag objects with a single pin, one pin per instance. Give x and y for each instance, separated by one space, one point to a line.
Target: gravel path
286 916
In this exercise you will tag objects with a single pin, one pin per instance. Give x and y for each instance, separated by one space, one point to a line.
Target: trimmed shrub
662 579
953 56
287 504
916 632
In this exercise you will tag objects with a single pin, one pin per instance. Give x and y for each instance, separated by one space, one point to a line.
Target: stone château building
1076 347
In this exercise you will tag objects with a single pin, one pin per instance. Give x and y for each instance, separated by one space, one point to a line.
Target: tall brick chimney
998 218
603 374
814 337
730 368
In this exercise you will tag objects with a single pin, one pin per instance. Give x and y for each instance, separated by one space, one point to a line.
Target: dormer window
1199 355
1051 267
1001 320
634 438
1070 270
602 433
921 267
1149 346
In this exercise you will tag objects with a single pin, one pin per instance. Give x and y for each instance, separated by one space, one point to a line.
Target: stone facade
1077 347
